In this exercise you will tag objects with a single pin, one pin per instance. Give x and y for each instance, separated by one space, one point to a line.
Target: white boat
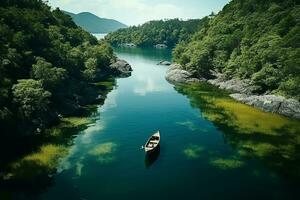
152 143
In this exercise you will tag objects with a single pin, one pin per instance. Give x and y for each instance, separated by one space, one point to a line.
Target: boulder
271 103
291 108
243 92
160 46
128 45
163 62
177 75
233 85
121 68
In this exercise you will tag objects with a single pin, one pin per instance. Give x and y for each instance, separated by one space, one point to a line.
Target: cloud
140 11
127 11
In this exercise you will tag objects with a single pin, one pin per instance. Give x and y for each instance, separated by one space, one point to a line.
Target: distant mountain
95 24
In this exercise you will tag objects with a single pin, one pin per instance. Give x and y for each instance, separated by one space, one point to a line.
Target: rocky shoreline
241 91
120 68
90 92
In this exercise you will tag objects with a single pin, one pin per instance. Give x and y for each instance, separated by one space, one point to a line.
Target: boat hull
155 149
151 157
153 143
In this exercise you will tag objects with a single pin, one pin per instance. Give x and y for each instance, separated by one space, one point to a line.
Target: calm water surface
211 147
99 35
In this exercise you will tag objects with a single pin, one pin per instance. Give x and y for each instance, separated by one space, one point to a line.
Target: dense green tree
42 51
169 32
253 39
90 69
31 98
50 76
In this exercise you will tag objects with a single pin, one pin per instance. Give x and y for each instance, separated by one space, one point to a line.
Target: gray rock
121 68
271 103
291 108
234 85
243 92
163 62
160 46
100 97
128 45
177 75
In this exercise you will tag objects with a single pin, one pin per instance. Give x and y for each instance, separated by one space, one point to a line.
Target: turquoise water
202 156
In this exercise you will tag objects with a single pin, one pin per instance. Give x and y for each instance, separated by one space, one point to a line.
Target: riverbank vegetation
168 32
30 162
252 39
47 68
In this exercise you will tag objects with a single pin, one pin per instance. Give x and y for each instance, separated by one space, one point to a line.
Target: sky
134 12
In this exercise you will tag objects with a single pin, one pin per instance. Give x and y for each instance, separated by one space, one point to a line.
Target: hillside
47 65
95 24
254 40
168 32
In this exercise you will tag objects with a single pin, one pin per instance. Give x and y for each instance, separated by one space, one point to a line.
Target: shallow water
212 147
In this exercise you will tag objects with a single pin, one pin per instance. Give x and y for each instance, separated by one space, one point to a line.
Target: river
211 146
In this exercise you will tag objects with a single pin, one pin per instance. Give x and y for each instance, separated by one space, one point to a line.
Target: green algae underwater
31 170
212 146
271 138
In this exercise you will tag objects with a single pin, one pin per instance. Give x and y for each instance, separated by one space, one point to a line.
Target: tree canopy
168 32
249 39
46 63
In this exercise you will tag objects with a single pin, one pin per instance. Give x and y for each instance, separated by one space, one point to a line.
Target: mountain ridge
94 24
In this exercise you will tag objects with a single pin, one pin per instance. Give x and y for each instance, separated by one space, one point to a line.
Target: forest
46 53
253 39
168 32
47 65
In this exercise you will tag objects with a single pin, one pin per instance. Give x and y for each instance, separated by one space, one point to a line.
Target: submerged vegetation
252 39
193 151
268 137
224 164
45 160
51 74
104 152
33 165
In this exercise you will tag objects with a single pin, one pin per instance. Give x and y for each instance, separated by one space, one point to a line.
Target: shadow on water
152 157
272 139
27 165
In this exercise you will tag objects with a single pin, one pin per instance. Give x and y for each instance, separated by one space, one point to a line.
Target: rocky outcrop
161 46
121 68
242 91
177 75
132 45
271 103
163 62
233 85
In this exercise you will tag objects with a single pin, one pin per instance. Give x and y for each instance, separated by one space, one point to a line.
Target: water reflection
148 84
152 157
149 53
31 166
147 77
